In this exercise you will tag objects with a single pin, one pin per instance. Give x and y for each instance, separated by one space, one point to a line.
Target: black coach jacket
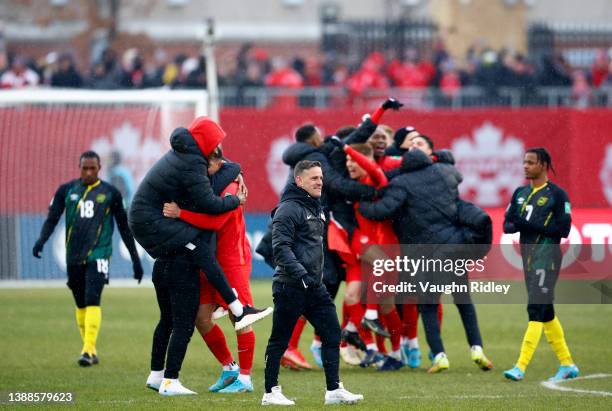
298 230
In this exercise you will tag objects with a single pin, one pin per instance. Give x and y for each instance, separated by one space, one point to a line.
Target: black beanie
400 135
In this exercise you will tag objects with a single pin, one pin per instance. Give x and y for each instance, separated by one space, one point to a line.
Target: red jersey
370 232
233 248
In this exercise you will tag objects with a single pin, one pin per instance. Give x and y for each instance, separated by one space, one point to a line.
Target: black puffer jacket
180 176
422 201
298 230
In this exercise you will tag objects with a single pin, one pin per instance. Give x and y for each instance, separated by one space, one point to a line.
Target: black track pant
314 303
177 286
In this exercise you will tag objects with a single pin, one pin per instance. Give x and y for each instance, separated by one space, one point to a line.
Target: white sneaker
341 396
154 380
251 315
171 387
349 355
276 397
219 313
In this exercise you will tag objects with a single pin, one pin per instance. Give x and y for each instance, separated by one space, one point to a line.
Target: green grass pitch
40 343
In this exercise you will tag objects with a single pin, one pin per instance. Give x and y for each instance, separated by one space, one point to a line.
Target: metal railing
424 99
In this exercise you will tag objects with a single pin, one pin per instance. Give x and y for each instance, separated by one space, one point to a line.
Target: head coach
298 230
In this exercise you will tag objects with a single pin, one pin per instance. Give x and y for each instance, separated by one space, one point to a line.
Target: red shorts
239 280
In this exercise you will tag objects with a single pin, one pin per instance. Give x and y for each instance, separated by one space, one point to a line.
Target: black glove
38 247
335 140
138 272
307 281
392 103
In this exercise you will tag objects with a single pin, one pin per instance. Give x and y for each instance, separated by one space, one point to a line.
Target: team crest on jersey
364 239
520 201
541 201
100 198
74 197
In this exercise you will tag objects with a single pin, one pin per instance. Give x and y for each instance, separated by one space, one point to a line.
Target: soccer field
40 344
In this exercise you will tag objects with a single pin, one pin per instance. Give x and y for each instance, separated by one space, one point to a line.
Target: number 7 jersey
542 215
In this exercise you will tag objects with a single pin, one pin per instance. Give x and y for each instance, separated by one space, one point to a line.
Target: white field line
556 385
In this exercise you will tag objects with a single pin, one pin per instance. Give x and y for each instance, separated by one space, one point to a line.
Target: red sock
297 333
380 340
394 325
366 335
410 322
215 339
355 313
380 344
440 315
372 307
246 351
344 314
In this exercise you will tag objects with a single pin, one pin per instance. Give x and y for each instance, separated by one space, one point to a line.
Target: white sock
236 307
157 374
350 327
244 378
231 367
397 355
371 314
315 344
476 348
372 347
413 343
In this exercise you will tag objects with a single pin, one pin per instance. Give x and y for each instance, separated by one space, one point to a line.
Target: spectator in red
368 77
599 71
450 81
283 75
19 75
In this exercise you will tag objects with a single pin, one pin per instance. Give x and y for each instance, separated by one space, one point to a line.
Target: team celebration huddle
347 195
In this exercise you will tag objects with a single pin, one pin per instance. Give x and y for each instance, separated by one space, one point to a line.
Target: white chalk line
555 385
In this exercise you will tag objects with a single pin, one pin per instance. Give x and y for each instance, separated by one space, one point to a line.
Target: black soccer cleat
375 326
85 360
94 359
250 315
353 338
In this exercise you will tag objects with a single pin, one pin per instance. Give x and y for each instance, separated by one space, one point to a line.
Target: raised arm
370 166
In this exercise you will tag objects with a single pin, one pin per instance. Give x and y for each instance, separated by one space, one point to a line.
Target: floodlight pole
208 48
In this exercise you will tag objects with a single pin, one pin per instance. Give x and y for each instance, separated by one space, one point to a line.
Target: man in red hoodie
234 256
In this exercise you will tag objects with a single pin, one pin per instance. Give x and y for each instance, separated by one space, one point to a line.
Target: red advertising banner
39 148
488 146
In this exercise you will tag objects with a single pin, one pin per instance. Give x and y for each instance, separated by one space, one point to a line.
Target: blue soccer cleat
236 387
414 358
226 379
316 354
566 372
390 364
514 374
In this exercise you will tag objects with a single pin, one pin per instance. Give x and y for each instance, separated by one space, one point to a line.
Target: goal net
42 134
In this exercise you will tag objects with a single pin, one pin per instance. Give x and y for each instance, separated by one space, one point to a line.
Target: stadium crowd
255 67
